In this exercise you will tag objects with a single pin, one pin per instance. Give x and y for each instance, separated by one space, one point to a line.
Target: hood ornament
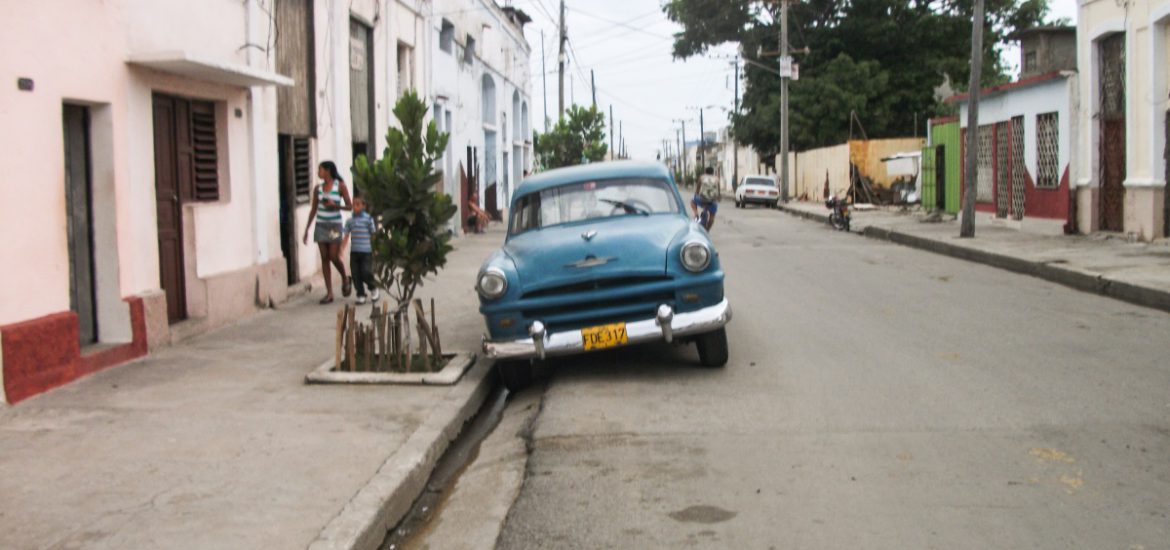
588 235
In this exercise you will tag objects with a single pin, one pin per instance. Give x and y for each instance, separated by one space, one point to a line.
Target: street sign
796 71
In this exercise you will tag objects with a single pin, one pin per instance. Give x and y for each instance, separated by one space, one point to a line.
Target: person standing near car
707 196
329 199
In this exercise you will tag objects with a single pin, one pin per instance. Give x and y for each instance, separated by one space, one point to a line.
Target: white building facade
482 96
1123 52
165 152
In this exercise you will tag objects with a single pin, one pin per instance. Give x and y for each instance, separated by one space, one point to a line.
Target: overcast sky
627 44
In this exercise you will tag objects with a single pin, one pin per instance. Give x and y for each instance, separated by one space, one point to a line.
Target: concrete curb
1079 280
388 496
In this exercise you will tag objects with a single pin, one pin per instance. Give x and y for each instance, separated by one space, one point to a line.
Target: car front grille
587 286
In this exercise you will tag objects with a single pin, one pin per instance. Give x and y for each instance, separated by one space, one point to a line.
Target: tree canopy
576 139
882 59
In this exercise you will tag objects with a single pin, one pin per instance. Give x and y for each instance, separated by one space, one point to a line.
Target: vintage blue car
599 256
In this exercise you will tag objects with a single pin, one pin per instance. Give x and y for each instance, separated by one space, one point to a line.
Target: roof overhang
1010 86
187 64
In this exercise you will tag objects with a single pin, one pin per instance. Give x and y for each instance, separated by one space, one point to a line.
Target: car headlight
492 283
696 256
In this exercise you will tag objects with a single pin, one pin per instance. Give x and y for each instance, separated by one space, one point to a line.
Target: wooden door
940 177
1112 174
1111 51
172 172
287 191
79 221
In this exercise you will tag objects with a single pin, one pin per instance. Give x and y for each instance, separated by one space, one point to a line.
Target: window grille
1047 151
302 169
984 190
1002 170
205 157
1112 55
1017 168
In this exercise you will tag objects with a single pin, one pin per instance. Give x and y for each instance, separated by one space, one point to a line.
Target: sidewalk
1134 272
218 443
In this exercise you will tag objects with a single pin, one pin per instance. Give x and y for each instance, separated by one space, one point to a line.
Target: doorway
293 156
172 174
361 88
79 221
1112 128
940 178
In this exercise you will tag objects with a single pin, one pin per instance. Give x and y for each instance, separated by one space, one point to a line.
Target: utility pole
734 141
784 100
621 139
561 64
702 142
612 151
544 76
971 166
677 161
593 85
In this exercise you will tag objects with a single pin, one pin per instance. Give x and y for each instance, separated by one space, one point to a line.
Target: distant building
1046 50
1026 129
482 96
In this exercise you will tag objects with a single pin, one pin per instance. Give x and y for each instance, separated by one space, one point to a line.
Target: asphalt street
877 397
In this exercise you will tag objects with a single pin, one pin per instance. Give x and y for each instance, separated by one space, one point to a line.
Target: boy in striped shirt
361 228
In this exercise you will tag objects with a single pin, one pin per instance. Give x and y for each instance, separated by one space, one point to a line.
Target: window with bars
1047 151
302 169
204 152
985 183
1112 55
1017 169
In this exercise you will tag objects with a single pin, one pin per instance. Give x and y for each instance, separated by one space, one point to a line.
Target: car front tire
712 348
515 375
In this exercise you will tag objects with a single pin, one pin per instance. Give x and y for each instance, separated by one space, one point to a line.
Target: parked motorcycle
838 213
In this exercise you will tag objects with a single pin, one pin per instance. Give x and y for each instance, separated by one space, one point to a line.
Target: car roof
590 172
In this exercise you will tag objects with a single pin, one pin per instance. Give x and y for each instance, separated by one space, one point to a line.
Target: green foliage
577 139
400 192
880 58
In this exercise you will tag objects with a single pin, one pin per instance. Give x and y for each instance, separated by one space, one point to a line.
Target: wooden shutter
205 155
302 168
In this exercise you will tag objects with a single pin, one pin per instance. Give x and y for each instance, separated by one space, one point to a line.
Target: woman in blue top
329 199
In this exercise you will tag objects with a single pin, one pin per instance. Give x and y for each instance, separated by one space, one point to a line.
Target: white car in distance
757 190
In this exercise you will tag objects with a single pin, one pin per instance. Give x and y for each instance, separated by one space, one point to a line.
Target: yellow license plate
604 336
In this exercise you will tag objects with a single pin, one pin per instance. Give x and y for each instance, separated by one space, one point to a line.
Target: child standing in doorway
359 232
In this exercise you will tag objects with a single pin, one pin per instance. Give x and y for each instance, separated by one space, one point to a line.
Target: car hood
626 246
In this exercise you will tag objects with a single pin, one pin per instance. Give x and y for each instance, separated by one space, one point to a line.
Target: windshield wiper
629 208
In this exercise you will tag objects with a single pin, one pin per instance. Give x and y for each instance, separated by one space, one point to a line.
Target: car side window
527 215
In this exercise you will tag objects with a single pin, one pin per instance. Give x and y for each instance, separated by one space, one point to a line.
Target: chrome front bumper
666 326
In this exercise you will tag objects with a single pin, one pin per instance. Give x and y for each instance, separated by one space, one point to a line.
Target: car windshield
760 181
593 200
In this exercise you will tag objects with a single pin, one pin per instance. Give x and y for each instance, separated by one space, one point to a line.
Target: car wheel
712 348
515 375
775 204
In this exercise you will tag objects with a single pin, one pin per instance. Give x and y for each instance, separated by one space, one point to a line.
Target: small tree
400 190
576 139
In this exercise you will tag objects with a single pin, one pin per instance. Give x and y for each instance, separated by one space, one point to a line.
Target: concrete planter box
457 364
